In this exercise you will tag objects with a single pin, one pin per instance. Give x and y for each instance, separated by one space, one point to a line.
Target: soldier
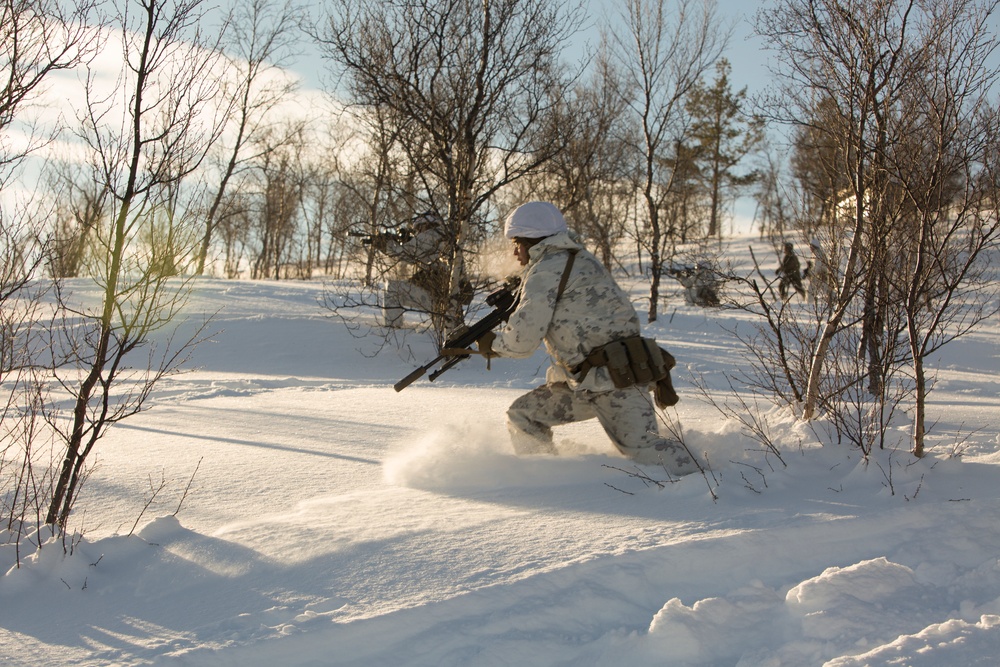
790 273
572 304
423 263
820 274
699 285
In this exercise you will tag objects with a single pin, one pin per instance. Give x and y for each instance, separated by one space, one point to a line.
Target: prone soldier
700 284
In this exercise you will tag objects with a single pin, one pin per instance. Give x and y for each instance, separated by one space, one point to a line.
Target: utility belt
631 361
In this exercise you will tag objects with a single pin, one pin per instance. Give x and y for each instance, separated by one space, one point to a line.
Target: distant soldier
822 280
423 272
700 285
704 290
790 273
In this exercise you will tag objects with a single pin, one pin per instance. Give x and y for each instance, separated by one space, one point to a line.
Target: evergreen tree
723 135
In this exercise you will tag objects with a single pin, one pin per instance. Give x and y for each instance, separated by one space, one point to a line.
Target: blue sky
744 52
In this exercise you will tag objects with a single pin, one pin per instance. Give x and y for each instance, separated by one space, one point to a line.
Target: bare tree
663 50
896 138
281 178
817 166
81 206
846 53
946 168
327 231
375 184
234 231
464 86
588 180
772 213
260 40
684 206
147 134
23 478
37 38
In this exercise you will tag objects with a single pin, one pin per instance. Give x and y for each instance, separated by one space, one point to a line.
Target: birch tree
145 134
846 53
903 105
465 85
38 38
261 39
663 50
946 168
588 179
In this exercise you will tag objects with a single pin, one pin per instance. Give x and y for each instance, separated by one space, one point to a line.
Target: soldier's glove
485 344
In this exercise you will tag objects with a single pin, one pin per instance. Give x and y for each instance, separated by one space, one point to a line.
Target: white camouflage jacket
593 310
423 249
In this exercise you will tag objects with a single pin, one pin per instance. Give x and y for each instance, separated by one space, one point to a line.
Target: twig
756 469
188 487
149 501
678 435
642 476
920 485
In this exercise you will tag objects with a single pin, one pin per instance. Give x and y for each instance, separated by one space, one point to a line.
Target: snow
333 521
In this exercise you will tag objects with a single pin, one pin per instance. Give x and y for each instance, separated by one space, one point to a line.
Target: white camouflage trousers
627 415
402 296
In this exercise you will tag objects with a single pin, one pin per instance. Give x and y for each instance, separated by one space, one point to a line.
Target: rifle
503 301
381 239
683 272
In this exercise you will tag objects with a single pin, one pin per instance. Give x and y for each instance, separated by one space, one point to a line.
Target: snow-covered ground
333 521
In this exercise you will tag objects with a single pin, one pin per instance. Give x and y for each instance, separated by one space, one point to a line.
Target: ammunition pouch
632 361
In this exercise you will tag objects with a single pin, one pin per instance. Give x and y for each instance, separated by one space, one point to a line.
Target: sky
745 51
745 56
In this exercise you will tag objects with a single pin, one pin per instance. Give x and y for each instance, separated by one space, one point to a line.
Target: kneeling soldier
601 367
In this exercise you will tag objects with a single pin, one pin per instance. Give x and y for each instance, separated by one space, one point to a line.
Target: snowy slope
333 521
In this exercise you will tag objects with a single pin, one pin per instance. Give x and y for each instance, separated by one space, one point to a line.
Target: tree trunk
833 322
920 398
69 475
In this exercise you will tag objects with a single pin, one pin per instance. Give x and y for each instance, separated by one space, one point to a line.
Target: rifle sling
565 273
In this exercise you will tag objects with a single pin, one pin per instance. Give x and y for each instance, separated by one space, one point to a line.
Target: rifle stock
504 301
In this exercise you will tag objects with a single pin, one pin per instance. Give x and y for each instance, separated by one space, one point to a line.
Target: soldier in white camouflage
590 311
422 270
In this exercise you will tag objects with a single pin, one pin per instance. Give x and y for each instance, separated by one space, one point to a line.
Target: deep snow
332 521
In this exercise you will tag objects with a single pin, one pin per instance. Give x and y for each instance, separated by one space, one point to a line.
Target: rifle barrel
412 377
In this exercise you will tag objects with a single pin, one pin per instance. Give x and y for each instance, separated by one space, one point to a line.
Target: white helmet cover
534 220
